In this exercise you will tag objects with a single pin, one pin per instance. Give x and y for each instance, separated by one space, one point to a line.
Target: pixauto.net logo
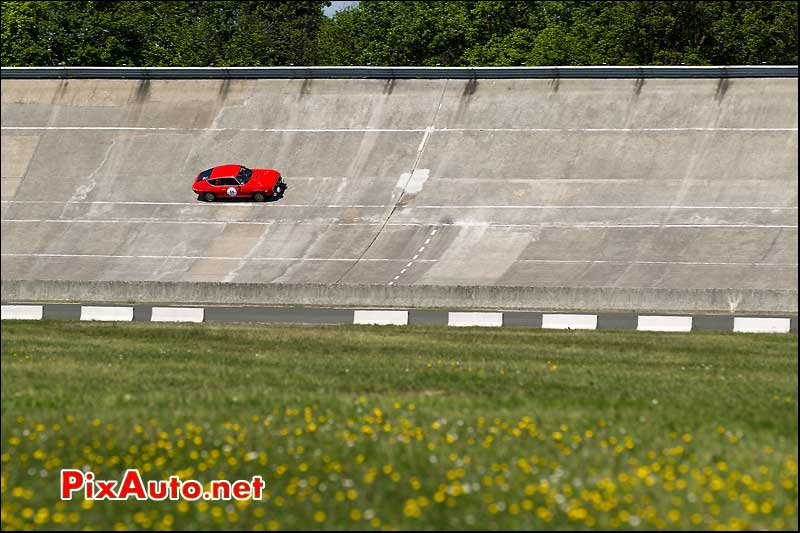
132 486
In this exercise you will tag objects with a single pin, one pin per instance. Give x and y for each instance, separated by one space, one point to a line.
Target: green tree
491 33
562 33
24 40
155 33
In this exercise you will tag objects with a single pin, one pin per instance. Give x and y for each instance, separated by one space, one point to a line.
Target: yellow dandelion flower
411 508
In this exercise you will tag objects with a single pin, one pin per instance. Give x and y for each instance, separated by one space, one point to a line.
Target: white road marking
177 314
403 271
626 207
433 232
266 130
220 258
588 225
567 321
119 314
397 277
21 312
664 323
388 259
761 325
133 221
584 261
278 204
196 204
392 318
493 320
427 130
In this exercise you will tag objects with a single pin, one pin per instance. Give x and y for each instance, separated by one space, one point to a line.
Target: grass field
403 427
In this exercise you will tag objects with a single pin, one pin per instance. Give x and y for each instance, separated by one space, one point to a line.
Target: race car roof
224 171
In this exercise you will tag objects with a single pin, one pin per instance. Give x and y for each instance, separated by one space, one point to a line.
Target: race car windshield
244 175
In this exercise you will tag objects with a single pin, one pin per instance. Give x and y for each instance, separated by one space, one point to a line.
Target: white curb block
116 314
664 323
21 312
489 320
177 314
384 318
569 321
761 325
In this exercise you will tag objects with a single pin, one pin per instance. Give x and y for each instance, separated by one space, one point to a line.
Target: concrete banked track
648 193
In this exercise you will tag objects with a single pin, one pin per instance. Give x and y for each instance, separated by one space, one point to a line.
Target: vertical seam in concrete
28 164
421 148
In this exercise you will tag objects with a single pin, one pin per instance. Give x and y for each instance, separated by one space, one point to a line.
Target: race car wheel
209 197
258 196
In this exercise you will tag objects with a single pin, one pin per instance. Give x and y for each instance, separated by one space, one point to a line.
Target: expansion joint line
399 200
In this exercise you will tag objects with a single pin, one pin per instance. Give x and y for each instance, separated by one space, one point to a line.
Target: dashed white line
415 258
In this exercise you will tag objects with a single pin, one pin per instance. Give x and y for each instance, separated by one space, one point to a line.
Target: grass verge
363 427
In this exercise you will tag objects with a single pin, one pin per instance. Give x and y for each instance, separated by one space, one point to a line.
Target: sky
337 6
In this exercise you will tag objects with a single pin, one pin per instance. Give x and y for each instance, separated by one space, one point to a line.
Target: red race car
238 181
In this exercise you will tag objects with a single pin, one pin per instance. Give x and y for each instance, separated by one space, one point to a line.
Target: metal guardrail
594 72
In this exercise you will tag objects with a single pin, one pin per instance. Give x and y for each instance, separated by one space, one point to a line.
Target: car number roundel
231 191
